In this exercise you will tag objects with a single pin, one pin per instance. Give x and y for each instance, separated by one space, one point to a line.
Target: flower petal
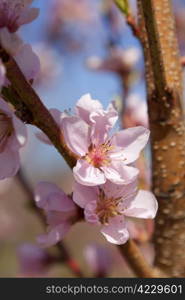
28 62
50 198
55 235
10 41
76 134
126 192
20 131
116 232
129 143
143 206
2 74
102 122
86 174
118 173
86 105
90 213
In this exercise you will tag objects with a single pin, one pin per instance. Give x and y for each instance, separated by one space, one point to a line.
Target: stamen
107 207
98 155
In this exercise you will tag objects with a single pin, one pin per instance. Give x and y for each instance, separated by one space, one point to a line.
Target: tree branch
164 78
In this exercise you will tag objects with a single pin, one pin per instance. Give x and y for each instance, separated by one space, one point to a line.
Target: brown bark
164 78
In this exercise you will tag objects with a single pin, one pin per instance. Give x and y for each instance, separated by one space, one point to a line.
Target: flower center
6 130
107 207
98 155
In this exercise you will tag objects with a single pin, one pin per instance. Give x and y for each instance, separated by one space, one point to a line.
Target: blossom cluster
105 178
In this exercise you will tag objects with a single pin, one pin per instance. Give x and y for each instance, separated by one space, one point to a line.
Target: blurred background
84 46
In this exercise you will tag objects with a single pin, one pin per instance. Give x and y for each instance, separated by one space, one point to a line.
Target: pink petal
86 174
118 173
116 232
90 213
28 62
84 194
50 198
86 105
125 191
102 121
129 143
10 41
76 134
54 236
20 131
55 218
143 206
2 74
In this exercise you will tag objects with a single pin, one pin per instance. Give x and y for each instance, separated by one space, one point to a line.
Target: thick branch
40 116
164 78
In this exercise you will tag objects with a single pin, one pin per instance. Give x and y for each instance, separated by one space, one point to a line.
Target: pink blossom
14 13
102 156
12 138
135 112
110 204
11 42
2 74
34 261
60 211
23 54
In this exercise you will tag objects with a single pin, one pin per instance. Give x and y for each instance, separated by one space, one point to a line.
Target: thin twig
164 89
41 117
